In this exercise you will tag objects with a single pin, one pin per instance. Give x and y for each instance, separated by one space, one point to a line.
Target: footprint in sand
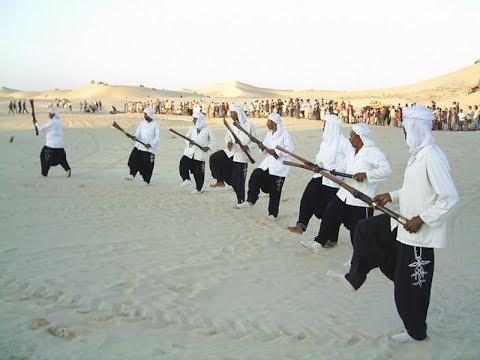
63 333
39 323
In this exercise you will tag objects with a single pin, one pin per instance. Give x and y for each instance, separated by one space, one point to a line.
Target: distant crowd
449 118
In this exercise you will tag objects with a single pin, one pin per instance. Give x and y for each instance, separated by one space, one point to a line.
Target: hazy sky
300 44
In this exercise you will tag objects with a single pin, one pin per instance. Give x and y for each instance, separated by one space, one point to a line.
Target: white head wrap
277 119
417 121
149 113
197 109
331 138
242 117
201 120
54 111
363 131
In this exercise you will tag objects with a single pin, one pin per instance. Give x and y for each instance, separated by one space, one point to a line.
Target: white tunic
370 160
203 138
148 133
427 191
54 133
238 154
275 166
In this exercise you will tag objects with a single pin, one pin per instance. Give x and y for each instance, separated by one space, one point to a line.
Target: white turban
417 121
331 138
363 131
242 117
149 113
277 119
54 111
201 120
197 109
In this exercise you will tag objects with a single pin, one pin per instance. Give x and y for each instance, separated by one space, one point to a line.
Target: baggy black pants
314 200
142 162
337 213
238 179
270 184
196 167
409 267
52 157
221 166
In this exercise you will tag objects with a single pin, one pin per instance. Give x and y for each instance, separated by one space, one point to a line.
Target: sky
300 45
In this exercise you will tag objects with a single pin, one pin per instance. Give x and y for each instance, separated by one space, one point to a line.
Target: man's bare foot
218 184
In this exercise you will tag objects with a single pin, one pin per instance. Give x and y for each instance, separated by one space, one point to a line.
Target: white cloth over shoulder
333 149
428 189
53 130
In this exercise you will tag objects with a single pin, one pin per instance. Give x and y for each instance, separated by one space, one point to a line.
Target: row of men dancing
405 253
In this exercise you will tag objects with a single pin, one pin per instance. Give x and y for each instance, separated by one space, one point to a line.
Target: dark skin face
271 125
357 144
356 141
234 115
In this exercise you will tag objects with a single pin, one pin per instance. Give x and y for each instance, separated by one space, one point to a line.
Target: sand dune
445 89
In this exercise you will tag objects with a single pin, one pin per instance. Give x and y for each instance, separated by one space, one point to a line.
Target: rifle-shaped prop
186 138
118 127
359 195
253 138
316 168
33 117
237 140
309 165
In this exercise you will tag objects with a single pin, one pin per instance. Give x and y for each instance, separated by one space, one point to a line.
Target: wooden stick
237 140
186 138
356 193
309 163
253 138
33 117
118 127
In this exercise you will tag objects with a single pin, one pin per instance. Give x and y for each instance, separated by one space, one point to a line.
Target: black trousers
269 184
52 157
238 179
196 167
221 166
314 200
337 213
141 162
409 267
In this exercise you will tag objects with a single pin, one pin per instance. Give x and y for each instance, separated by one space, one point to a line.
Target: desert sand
95 267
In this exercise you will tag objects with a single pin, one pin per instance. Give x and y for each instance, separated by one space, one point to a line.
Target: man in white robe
320 191
270 175
142 157
53 153
193 159
405 254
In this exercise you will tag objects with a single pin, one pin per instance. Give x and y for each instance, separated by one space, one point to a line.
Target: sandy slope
445 89
96 265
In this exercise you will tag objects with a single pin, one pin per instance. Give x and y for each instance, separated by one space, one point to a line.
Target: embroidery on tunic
418 273
152 158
